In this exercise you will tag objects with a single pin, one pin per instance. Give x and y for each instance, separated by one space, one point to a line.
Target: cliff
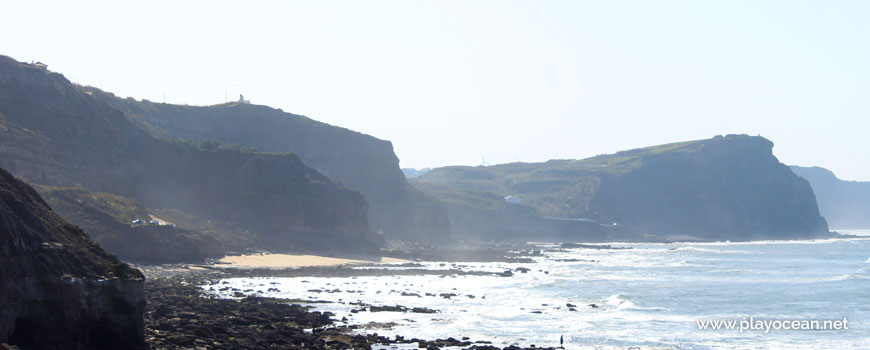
845 204
486 216
59 290
57 134
724 188
107 219
358 161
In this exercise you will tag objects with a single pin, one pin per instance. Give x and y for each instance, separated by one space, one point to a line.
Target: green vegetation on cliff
729 187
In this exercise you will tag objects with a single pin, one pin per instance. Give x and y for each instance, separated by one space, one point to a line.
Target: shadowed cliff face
730 188
722 188
845 204
356 160
56 134
107 220
59 290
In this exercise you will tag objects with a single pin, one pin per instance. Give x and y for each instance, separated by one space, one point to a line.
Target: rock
71 295
423 310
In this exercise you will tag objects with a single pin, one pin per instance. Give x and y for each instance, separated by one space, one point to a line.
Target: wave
735 271
697 249
619 301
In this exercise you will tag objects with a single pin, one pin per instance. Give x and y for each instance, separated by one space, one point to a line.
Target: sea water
651 296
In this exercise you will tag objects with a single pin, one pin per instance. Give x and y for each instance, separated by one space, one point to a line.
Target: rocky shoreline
179 315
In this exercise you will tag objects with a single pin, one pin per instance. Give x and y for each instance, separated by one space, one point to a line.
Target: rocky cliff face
723 188
59 290
356 160
845 204
54 133
726 188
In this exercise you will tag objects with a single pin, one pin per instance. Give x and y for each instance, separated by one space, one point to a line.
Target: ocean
652 296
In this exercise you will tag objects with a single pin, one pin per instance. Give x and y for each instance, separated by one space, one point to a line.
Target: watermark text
751 324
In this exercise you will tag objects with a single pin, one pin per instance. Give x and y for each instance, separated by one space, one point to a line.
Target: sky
465 82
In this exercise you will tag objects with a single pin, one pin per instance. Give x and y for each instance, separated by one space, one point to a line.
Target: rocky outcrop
725 188
845 204
59 290
54 133
358 161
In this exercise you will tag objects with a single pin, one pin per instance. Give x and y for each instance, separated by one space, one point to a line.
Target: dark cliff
107 219
723 188
358 161
54 133
59 290
845 204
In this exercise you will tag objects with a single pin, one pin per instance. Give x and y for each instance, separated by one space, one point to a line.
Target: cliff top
621 162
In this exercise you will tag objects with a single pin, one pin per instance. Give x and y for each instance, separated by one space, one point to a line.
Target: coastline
180 314
268 260
246 311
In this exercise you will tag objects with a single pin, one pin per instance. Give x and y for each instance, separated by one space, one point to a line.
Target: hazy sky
447 81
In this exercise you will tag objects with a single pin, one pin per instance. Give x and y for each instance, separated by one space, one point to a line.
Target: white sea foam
647 297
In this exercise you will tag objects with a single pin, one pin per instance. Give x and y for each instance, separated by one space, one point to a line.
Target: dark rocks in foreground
58 289
177 317
180 317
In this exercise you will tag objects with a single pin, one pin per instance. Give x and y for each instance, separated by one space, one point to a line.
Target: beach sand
291 261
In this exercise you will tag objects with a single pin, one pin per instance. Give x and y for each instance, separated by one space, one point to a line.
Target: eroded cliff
58 289
358 161
55 133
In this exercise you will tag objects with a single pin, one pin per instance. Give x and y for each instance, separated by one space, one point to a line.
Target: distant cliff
845 204
486 216
722 188
58 134
59 290
358 161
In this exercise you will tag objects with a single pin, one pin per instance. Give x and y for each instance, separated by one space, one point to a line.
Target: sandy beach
294 261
